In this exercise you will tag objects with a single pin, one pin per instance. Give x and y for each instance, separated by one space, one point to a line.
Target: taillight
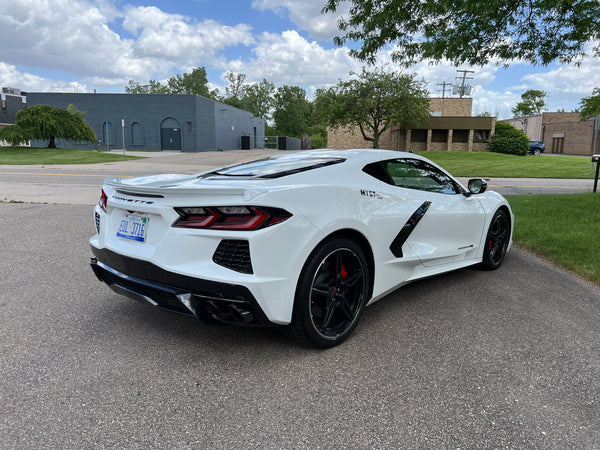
103 200
229 217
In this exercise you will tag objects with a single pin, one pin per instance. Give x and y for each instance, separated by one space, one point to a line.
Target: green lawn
49 156
565 229
483 164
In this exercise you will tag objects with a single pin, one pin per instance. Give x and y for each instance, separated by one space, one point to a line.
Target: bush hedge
509 140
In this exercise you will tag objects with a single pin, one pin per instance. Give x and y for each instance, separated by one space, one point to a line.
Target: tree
470 31
373 102
292 111
191 83
47 122
153 87
532 102
195 82
258 99
590 106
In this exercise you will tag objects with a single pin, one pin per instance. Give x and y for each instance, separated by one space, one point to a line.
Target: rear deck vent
137 194
235 255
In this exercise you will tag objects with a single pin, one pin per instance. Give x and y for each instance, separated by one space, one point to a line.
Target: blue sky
87 45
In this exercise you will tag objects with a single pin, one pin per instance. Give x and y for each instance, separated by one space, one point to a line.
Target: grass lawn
484 164
49 156
564 229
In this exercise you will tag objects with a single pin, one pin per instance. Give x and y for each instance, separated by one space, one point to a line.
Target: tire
331 294
537 152
496 241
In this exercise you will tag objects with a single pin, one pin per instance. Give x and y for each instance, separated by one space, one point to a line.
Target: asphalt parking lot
470 359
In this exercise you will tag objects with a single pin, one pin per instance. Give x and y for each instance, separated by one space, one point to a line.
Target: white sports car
304 239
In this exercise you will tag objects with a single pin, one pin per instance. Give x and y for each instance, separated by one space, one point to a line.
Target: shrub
509 140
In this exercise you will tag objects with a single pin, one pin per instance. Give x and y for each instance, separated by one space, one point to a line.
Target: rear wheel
331 294
496 242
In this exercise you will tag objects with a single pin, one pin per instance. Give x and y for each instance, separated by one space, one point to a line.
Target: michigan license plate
133 227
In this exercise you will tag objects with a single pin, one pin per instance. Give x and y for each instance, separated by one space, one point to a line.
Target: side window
415 174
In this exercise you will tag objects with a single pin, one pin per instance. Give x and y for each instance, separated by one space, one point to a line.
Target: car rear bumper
210 301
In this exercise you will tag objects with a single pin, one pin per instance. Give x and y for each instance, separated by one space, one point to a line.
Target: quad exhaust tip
229 313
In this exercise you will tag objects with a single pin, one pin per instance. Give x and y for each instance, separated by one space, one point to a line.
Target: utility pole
464 78
444 84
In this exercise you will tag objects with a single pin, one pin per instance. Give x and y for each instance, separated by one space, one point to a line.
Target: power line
462 89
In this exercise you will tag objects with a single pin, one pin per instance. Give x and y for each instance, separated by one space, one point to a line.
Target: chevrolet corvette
304 240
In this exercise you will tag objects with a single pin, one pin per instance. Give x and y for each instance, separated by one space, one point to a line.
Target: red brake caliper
344 275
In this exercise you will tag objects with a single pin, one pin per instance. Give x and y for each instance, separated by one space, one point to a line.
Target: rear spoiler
181 185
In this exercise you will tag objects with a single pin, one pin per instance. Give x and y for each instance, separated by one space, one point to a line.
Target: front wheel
496 242
331 294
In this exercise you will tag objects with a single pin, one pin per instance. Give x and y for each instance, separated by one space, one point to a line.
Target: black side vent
97 220
407 229
234 255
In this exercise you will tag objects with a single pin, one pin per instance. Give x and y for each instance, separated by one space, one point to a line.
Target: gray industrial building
190 123
13 101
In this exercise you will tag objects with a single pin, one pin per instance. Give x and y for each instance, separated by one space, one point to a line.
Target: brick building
560 132
450 128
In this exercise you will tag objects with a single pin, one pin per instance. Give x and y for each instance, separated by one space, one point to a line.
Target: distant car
305 239
536 147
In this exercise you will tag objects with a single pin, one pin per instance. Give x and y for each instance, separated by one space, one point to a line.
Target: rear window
274 167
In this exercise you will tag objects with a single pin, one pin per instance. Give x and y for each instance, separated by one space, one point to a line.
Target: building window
460 136
137 134
4 106
439 135
418 136
481 136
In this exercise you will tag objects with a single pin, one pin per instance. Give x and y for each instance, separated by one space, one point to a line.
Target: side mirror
477 186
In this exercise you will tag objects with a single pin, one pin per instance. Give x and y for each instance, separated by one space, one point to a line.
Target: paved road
471 359
80 184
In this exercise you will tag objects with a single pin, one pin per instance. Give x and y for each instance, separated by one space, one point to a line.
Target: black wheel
537 152
496 241
331 294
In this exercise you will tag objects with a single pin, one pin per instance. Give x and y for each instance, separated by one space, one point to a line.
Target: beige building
450 128
560 132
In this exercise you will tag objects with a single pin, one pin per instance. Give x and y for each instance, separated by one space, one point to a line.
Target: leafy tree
191 83
47 122
195 82
507 139
532 102
470 31
76 112
236 89
292 111
373 102
259 99
153 87
590 106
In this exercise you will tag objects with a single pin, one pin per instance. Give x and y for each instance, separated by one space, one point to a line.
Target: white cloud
496 103
11 77
176 38
288 58
307 15
75 37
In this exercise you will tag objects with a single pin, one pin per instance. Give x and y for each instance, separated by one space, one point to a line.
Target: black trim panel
140 279
407 229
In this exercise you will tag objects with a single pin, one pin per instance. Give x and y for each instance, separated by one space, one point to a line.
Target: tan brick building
450 128
560 132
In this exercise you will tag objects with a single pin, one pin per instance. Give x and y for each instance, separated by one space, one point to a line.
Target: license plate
133 227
